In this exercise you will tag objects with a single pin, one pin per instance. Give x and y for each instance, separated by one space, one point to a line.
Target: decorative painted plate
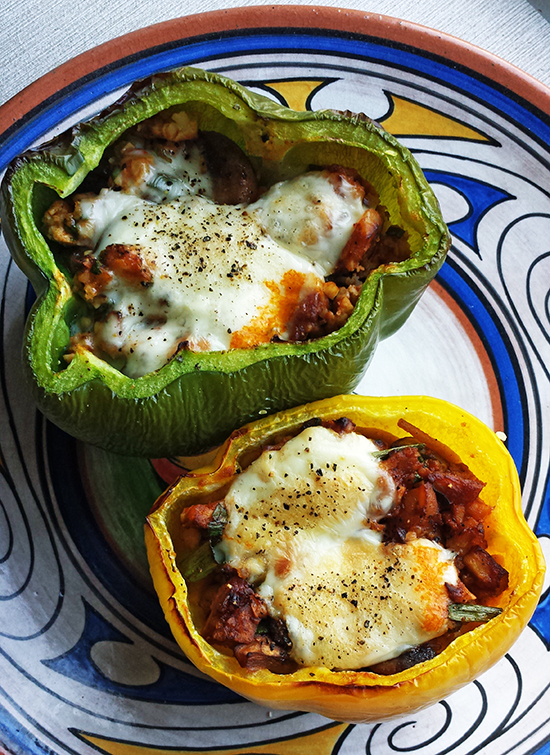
86 660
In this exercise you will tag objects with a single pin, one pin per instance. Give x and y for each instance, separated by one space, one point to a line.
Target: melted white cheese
310 217
182 172
212 266
299 528
218 270
164 179
349 605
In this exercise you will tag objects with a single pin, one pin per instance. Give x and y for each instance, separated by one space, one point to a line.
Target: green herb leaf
467 612
168 185
217 522
198 564
385 452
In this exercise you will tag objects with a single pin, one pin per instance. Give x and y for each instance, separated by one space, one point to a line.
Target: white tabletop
37 37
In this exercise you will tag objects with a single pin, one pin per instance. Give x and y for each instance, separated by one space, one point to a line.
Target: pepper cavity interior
95 353
179 240
342 548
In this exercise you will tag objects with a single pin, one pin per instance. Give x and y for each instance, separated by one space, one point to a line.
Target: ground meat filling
436 497
167 158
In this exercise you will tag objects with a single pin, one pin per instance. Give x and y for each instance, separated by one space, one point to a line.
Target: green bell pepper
196 399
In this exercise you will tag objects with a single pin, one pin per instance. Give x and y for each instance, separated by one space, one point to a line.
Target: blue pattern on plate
120 74
173 686
480 196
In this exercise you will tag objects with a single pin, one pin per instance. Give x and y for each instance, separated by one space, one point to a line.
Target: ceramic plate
86 660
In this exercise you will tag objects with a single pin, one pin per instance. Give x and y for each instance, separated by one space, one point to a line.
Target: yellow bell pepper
359 696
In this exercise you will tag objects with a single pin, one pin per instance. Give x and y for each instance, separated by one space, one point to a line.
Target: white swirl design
84 654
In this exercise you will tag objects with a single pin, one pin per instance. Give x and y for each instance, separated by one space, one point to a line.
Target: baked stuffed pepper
202 255
357 557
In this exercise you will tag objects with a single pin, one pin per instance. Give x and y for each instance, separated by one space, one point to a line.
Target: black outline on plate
30 487
81 735
267 88
99 73
507 229
360 37
488 140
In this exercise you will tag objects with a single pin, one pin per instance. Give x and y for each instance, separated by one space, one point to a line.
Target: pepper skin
361 696
193 402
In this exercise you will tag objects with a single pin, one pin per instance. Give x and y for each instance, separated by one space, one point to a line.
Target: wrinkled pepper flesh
458 451
197 397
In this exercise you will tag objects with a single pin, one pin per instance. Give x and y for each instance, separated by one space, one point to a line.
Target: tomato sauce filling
167 159
436 497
